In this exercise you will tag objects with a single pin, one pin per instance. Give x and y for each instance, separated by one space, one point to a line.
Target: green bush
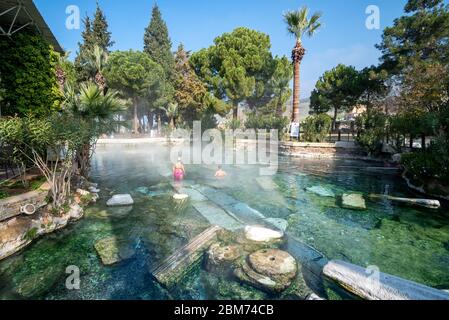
28 70
432 163
372 130
316 128
3 194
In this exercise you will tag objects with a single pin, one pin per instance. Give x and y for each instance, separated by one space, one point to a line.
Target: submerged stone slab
193 194
236 208
220 198
267 183
280 224
217 216
321 191
357 281
245 212
113 250
176 266
353 201
120 200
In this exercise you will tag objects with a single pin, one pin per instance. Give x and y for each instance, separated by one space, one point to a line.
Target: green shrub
316 128
430 163
372 130
3 194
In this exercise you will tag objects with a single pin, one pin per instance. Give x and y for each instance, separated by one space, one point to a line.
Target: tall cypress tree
158 45
100 32
95 33
84 48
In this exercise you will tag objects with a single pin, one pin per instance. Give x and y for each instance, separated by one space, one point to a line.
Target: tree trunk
279 110
141 125
296 92
136 119
423 142
334 120
235 110
150 121
297 56
411 141
159 125
84 160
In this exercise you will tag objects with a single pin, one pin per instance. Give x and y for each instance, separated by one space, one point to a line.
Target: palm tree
298 25
61 75
96 110
97 59
171 111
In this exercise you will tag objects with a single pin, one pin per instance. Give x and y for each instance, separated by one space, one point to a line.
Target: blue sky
343 39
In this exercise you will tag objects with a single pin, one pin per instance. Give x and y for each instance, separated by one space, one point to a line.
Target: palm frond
298 22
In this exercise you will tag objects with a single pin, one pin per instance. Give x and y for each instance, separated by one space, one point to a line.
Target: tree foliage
28 76
299 24
157 43
132 72
335 90
421 34
317 127
190 91
138 77
95 33
236 67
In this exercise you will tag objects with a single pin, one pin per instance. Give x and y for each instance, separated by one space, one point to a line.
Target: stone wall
321 150
10 207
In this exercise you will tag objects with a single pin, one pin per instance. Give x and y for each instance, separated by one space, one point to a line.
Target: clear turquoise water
409 242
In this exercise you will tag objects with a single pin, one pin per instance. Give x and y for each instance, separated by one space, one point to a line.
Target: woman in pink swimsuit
179 171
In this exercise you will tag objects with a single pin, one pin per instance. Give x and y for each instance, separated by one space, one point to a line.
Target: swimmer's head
219 167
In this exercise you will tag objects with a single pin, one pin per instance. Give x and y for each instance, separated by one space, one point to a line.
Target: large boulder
353 201
112 250
120 200
270 270
261 234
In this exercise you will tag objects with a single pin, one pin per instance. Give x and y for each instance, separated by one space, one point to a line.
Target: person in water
220 173
179 171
